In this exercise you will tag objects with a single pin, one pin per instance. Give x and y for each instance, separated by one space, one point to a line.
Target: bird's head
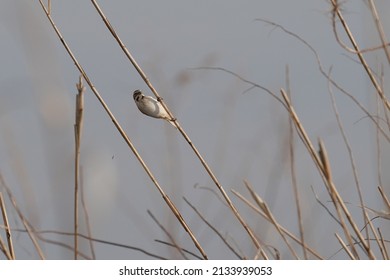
137 95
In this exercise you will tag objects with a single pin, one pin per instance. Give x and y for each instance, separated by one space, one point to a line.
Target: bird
151 107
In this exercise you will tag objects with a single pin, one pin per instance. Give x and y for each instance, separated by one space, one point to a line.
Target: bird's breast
150 108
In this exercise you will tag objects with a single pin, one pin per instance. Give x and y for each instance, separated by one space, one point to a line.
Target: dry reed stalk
378 147
214 229
332 192
295 189
7 229
123 134
86 237
352 160
384 253
385 112
89 231
377 233
377 237
175 245
181 248
379 27
4 249
27 226
293 171
345 247
384 197
78 128
184 134
264 207
284 230
326 175
336 11
322 163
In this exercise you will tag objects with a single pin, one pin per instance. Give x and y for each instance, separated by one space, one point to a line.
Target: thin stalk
293 171
86 216
379 26
8 231
324 168
26 224
264 207
77 134
178 248
214 229
345 247
260 212
385 253
337 11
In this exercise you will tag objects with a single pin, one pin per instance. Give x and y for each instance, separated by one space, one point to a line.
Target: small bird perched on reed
151 107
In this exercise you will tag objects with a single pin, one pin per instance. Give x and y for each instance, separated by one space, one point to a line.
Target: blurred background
242 132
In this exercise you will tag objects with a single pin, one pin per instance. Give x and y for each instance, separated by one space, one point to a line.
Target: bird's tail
172 123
